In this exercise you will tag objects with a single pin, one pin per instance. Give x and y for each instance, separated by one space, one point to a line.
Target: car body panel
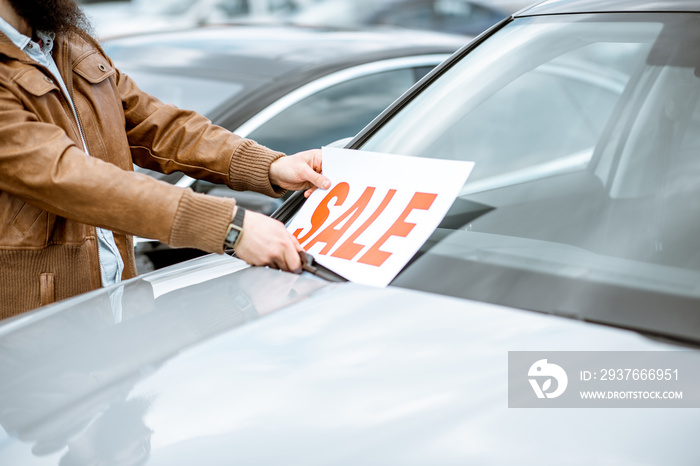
312 380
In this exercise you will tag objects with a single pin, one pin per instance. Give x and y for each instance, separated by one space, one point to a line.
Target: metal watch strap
235 229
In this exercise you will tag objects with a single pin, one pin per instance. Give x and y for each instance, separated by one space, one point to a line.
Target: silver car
576 236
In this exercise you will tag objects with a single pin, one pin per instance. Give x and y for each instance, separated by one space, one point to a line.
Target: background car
470 17
214 362
289 88
119 18
467 17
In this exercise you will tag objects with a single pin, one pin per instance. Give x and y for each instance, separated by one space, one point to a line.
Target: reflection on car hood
186 372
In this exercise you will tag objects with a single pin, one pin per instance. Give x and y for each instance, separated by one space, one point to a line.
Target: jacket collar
60 52
9 49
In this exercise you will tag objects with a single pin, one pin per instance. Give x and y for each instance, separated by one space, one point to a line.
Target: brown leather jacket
52 195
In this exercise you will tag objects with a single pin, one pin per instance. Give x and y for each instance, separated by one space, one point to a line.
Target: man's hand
266 241
299 171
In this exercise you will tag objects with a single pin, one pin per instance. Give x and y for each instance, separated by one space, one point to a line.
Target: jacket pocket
94 68
36 83
26 218
48 294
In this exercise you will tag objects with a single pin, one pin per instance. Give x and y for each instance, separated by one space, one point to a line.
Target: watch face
232 236
235 229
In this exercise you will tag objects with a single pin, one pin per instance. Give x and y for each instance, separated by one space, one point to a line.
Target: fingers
297 245
321 181
292 259
267 242
300 171
316 179
317 161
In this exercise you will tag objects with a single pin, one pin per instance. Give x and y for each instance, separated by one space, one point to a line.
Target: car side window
333 113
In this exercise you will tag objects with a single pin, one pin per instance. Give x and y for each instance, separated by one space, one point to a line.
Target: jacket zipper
69 106
69 87
79 122
68 80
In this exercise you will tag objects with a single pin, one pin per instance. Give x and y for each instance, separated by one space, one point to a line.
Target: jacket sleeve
165 138
42 166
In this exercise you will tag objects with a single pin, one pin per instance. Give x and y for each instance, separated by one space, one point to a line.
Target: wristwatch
235 229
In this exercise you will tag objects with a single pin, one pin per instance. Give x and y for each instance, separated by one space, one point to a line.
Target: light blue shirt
111 263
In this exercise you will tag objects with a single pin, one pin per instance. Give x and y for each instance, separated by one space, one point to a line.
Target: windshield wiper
309 264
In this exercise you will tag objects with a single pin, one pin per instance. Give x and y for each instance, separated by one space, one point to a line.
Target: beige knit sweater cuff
250 169
201 222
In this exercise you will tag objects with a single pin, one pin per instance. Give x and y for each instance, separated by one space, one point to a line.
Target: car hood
217 363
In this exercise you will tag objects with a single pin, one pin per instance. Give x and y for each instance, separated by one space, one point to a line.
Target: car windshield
584 196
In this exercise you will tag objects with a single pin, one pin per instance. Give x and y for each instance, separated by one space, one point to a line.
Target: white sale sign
378 212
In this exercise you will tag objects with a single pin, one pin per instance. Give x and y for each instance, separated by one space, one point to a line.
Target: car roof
609 6
269 61
270 51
